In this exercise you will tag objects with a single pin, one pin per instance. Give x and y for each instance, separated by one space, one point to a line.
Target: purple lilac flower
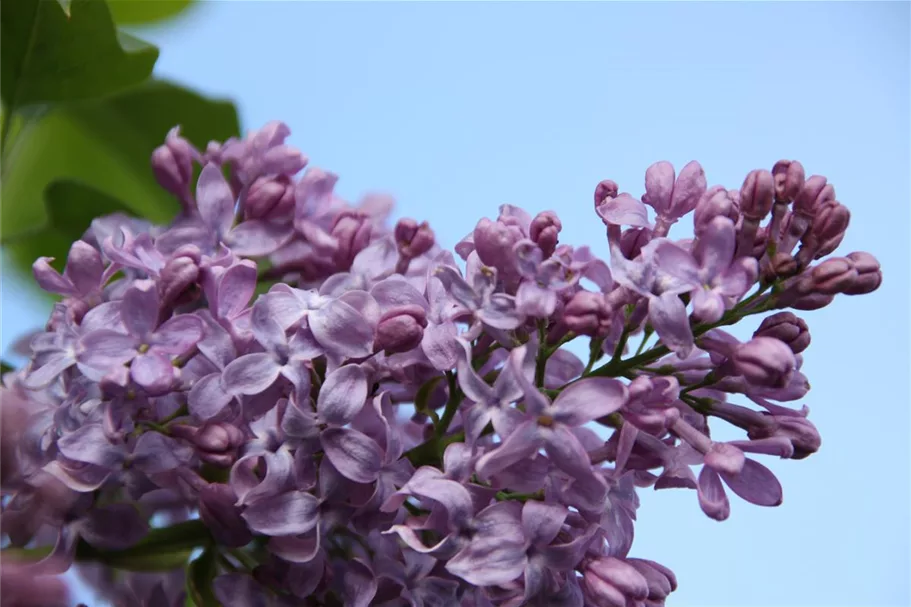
383 426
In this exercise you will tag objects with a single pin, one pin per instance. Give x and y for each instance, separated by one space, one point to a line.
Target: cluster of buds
335 412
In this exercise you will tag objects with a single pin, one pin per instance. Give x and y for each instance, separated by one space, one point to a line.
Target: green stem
452 405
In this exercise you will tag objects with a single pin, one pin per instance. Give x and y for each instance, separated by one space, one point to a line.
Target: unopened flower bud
172 164
828 227
545 231
587 313
222 518
869 274
757 194
605 189
812 301
716 202
494 242
798 429
632 240
814 193
764 361
217 443
782 265
413 239
788 328
661 580
401 329
270 197
832 276
353 231
178 275
789 178
609 580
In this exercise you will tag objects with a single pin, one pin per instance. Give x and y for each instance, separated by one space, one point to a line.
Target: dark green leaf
93 157
5 367
142 12
49 56
200 575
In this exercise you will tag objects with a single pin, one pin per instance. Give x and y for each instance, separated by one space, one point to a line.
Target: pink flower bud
788 328
609 580
632 240
217 443
172 164
178 275
494 242
545 230
789 178
413 239
764 361
869 274
814 193
353 231
757 194
270 197
812 301
798 429
829 227
714 203
782 265
401 329
605 189
587 313
832 276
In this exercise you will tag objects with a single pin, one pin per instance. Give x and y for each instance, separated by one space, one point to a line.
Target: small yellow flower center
143 348
545 420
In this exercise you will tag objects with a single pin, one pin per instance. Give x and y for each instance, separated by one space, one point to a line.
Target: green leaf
6 367
144 12
90 158
200 574
49 56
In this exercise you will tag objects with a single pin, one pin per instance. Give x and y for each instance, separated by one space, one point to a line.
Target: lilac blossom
335 410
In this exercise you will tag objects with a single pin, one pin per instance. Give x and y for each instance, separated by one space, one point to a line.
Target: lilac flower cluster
336 413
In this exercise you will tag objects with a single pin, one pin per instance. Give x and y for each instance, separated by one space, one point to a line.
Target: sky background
457 108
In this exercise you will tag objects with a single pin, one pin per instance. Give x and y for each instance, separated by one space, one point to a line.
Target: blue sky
457 108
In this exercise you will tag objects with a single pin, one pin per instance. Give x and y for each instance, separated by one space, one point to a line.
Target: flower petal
214 199
290 513
89 444
257 238
522 443
712 499
668 316
590 399
154 372
756 484
341 330
140 308
541 521
178 335
342 395
250 374
354 454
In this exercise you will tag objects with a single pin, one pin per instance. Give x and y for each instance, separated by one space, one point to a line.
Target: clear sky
457 108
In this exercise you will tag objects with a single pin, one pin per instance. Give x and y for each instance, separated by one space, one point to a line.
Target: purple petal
488 562
250 374
139 310
689 188
90 445
451 495
708 305
154 372
590 399
208 397
567 453
342 395
715 247
84 267
268 333
712 498
541 522
235 288
355 455
178 335
678 263
535 300
624 210
659 186
258 238
155 453
50 279
290 513
522 443
296 549
342 330
756 484
49 371
396 292
501 313
214 199
248 482
440 345
667 314
359 584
